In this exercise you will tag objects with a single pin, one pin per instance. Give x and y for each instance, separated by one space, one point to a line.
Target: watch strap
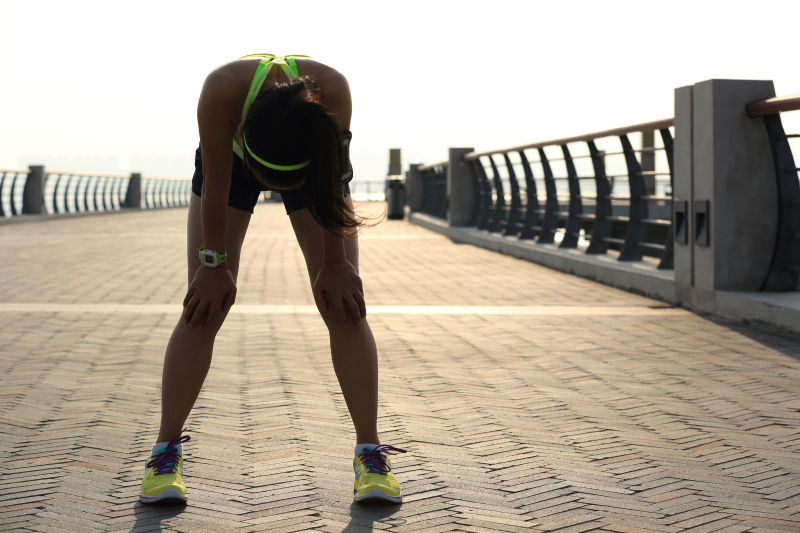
220 257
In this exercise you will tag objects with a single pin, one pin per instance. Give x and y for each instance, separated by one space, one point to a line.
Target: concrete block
460 188
414 192
33 193
734 172
133 196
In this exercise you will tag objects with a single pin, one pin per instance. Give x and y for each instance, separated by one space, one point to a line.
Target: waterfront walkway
528 400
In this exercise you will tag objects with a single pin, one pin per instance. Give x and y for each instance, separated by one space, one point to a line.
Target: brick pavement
529 400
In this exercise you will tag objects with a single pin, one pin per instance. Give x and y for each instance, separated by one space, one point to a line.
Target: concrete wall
723 167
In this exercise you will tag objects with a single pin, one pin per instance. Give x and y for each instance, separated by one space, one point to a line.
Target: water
367 191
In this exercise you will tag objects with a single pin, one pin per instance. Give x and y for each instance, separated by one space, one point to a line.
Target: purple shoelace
166 461
375 459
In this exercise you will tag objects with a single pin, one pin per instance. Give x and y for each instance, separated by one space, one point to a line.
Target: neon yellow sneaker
163 474
374 477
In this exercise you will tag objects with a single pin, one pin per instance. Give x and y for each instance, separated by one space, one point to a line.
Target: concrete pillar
133 197
395 168
414 188
682 195
729 186
460 189
33 194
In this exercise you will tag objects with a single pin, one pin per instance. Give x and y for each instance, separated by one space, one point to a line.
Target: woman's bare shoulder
334 88
226 86
231 76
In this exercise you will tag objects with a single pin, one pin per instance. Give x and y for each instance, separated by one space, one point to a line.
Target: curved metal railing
434 189
784 271
83 192
65 192
165 192
12 184
594 191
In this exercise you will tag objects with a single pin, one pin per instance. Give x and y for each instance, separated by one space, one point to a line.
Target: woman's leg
355 357
189 350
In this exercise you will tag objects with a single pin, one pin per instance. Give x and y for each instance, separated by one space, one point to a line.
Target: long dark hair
287 125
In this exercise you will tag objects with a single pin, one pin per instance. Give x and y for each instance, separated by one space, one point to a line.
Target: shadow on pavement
780 340
150 515
364 514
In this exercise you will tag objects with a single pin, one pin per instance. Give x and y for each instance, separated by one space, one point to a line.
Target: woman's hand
339 293
211 293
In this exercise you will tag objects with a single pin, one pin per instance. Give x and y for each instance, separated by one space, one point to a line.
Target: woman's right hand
211 293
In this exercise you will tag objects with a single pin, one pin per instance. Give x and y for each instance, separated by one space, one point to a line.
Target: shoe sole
168 494
377 494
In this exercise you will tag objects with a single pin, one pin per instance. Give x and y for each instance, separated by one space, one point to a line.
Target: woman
264 126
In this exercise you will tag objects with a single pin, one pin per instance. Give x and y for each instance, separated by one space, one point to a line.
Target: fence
36 191
570 197
705 211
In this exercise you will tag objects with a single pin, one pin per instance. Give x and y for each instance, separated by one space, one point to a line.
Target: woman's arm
213 289
216 122
337 278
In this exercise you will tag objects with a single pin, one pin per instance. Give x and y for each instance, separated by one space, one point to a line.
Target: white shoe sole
168 494
377 494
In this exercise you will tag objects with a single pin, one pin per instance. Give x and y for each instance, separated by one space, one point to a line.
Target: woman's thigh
236 224
309 237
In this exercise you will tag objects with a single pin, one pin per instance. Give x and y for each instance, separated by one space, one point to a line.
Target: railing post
572 231
133 198
414 187
460 192
532 224
33 194
513 222
725 195
647 160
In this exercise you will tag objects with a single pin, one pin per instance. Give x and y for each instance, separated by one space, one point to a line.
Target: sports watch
210 258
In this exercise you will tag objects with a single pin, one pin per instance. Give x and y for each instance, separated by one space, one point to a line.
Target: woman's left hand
339 293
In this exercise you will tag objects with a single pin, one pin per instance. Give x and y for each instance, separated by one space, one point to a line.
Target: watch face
208 259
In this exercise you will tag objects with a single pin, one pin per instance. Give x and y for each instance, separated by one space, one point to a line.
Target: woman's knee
204 326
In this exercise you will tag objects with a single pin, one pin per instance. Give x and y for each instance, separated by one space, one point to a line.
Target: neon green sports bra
289 67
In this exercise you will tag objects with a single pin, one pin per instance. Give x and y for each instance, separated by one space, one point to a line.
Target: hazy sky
112 86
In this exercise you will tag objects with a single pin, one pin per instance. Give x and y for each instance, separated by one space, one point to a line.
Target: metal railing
12 185
63 192
74 192
165 192
434 189
593 191
784 271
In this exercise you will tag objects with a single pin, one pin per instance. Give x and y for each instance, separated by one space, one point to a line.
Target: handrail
167 178
777 104
38 190
431 166
87 174
646 126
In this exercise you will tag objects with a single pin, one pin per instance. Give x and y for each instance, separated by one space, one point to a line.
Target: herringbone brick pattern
579 408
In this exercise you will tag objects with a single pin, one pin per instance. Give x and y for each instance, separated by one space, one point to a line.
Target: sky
110 86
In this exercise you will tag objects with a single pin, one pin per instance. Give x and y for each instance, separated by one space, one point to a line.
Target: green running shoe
374 477
163 475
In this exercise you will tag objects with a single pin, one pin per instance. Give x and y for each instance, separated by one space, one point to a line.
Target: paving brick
568 418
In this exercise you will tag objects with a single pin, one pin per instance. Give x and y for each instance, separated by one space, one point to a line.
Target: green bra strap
292 65
263 56
260 75
289 67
